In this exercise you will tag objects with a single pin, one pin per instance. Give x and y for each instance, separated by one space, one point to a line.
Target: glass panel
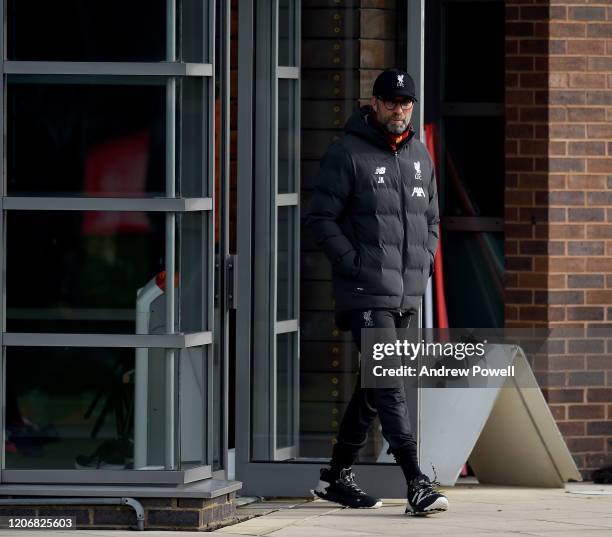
98 30
336 77
285 271
467 37
193 400
476 279
287 136
194 24
286 33
474 174
89 140
108 409
99 272
287 395
194 138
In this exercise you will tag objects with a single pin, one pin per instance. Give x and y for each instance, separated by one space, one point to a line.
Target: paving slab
581 510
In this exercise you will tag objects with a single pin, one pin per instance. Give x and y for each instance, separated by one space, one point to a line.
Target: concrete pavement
581 510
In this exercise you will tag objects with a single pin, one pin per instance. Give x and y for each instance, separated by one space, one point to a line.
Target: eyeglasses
390 105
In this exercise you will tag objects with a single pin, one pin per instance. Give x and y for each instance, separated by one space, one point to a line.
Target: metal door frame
281 478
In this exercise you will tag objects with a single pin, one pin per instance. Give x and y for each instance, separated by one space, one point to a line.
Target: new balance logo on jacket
418 192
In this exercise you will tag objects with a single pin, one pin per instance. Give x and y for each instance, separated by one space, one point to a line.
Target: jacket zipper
399 174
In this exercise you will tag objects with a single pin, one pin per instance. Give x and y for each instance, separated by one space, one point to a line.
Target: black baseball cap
394 83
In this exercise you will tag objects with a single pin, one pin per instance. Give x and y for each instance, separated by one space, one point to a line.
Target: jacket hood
359 125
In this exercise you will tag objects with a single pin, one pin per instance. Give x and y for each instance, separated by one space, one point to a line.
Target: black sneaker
343 490
423 498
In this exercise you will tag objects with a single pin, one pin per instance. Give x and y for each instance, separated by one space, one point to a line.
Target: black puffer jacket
374 214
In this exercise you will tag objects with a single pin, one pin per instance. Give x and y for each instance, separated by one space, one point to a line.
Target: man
374 214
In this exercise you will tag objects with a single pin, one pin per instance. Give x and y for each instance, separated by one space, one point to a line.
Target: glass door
302 72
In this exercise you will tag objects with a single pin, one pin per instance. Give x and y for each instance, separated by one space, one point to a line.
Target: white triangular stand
508 433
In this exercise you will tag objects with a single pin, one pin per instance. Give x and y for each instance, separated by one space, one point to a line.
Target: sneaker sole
317 494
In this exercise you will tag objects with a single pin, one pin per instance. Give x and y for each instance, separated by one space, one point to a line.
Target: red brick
557 46
528 46
565 131
555 80
586 114
532 114
557 214
599 395
565 29
600 64
519 263
586 412
533 180
586 378
566 97
599 30
556 314
560 297
587 148
511 247
578 313
519 164
586 46
599 297
599 428
558 411
558 164
602 231
585 215
524 97
582 445
519 131
518 231
597 460
565 231
599 131
534 80
599 265
567 63
599 97
572 428
518 197
535 147
535 13
519 29
558 12
566 363
533 313
511 214
533 280
586 182
583 13
599 198
565 395
599 165
586 248
597 363
566 197
585 281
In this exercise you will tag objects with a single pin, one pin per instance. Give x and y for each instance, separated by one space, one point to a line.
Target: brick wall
559 208
193 514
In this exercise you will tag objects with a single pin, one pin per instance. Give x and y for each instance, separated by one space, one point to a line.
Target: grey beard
396 130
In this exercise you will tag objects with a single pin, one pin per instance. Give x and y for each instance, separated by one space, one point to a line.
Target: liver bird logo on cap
400 81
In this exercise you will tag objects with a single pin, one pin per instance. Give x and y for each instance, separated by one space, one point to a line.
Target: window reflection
88 140
100 272
96 30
